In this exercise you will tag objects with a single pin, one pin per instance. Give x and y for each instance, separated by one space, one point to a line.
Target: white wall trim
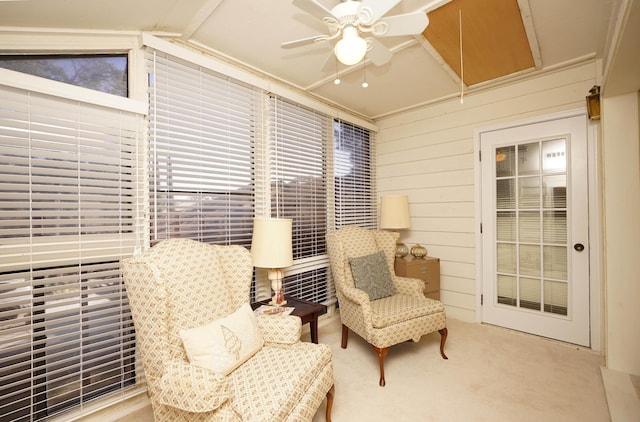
61 41
514 78
529 121
595 236
477 196
111 408
63 90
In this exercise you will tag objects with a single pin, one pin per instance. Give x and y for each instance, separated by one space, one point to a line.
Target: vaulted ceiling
501 39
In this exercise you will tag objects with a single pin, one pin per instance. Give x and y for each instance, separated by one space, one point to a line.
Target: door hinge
480 155
480 228
481 300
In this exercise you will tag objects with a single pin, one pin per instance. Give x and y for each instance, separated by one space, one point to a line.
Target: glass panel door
535 228
531 222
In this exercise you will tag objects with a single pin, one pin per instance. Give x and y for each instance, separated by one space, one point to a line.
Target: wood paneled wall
428 154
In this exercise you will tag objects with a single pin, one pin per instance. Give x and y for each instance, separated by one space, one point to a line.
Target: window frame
102 147
355 191
61 60
138 103
189 136
296 134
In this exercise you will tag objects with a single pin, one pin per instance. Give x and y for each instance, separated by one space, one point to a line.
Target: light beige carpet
492 374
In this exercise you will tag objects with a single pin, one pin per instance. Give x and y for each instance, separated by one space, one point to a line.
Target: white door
535 229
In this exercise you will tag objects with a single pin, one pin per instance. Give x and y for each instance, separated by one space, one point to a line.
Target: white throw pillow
225 344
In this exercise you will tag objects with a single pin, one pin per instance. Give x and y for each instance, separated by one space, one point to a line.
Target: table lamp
271 248
394 215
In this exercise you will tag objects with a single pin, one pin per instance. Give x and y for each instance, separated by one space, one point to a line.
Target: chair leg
382 353
443 338
330 394
345 336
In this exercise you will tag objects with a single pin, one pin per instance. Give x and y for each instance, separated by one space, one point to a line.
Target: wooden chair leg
382 353
330 394
443 338
345 336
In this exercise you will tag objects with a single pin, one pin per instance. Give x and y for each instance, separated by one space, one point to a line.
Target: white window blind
299 138
355 193
202 130
212 167
69 212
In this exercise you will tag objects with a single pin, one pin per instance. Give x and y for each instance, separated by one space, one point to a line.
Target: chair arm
192 388
355 311
360 297
283 329
409 286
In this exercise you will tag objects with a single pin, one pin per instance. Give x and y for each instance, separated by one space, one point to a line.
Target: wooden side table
307 311
426 269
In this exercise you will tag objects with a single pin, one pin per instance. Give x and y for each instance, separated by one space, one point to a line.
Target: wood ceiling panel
494 41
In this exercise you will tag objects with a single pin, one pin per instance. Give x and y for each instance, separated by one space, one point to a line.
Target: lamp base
276 276
274 302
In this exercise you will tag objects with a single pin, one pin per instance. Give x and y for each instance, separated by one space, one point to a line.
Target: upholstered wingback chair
181 285
400 314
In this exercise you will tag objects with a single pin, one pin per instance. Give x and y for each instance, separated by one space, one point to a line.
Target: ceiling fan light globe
351 48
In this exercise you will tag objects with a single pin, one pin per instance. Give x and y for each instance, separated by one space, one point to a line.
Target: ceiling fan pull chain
365 84
461 60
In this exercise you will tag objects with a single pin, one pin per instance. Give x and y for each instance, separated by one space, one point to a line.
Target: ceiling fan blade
313 8
433 5
408 24
304 41
378 53
372 10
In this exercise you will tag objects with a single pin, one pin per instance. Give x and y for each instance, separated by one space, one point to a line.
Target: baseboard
109 410
622 398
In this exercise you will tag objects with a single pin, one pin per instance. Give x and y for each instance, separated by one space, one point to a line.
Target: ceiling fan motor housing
352 13
350 21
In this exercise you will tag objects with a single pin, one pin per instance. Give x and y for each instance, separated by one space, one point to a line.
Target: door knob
578 247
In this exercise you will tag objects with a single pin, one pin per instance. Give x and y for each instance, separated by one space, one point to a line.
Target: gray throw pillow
371 274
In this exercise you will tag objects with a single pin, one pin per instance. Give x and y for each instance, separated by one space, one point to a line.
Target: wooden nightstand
426 269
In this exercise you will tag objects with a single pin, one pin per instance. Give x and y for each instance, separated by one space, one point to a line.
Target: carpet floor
492 374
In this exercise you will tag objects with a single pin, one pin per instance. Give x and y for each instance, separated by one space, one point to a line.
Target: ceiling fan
350 20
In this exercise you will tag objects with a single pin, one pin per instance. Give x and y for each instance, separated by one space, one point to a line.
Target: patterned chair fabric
406 315
181 284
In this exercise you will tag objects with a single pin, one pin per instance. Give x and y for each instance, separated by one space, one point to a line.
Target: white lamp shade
351 48
394 212
271 243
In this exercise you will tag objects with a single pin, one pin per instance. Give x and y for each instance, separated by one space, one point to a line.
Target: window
213 168
355 194
68 216
202 135
82 188
101 72
299 137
